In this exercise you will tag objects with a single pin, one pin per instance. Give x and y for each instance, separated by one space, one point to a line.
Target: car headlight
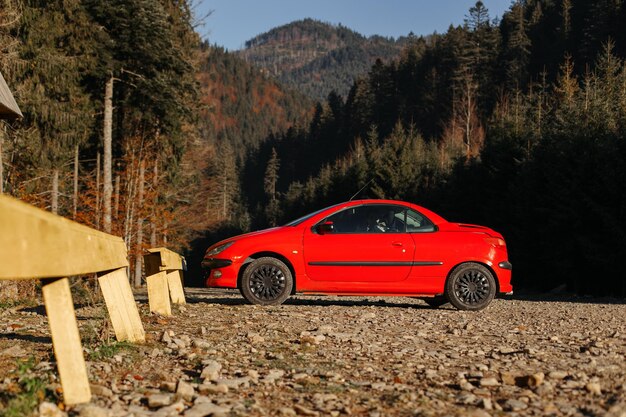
218 249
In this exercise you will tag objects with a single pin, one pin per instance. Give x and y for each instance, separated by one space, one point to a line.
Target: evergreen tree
56 41
516 47
269 182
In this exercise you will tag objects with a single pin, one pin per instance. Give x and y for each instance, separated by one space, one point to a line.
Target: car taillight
495 241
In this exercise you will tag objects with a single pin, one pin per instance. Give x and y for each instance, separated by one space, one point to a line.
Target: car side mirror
325 228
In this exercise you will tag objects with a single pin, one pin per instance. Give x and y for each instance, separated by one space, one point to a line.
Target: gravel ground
336 356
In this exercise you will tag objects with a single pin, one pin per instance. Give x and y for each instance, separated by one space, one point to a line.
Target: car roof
432 216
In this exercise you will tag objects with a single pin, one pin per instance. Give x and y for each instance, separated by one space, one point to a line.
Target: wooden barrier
164 278
37 244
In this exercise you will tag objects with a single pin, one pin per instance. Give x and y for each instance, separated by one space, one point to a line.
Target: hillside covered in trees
517 123
316 57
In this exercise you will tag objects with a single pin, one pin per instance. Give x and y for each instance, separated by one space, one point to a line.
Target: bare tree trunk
224 191
468 122
108 154
131 187
75 196
54 197
140 192
98 191
155 185
1 158
116 207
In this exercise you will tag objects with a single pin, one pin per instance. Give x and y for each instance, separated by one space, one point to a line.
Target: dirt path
339 356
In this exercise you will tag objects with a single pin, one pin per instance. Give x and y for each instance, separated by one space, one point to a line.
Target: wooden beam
121 305
66 340
169 259
158 294
36 243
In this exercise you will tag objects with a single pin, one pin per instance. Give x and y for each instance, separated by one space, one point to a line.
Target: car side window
416 222
375 218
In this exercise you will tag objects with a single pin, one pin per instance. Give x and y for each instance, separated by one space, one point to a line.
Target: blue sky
235 21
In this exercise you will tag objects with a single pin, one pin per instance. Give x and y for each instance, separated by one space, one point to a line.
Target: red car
366 247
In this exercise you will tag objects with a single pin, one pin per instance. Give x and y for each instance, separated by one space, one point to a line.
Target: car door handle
399 244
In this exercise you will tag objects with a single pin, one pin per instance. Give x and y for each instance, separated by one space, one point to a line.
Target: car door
432 251
368 243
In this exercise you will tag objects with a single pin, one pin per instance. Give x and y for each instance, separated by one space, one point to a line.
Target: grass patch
108 350
24 397
22 302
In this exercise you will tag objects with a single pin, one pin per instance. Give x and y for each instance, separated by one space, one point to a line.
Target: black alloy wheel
266 281
470 286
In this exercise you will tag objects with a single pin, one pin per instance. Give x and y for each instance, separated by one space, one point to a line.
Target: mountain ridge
318 57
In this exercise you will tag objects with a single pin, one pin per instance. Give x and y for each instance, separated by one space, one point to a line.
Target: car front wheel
470 286
266 281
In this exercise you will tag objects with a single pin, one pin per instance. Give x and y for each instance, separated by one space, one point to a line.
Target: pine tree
56 42
269 182
516 49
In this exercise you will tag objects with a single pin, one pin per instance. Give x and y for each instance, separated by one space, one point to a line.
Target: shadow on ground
232 297
564 298
26 337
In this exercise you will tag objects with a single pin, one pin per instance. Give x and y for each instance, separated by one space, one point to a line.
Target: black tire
470 286
435 302
266 281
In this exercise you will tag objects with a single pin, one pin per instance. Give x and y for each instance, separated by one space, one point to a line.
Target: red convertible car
366 247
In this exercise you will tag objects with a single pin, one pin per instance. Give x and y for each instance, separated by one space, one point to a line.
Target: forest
516 123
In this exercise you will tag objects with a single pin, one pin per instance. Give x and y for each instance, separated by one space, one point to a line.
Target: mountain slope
317 57
242 105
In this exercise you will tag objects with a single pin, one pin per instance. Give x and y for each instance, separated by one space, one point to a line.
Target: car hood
248 235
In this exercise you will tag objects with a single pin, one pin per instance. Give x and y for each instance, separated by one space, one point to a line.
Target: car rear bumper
504 273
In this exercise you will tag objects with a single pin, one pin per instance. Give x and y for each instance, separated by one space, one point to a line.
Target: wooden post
158 294
161 262
121 305
175 284
66 340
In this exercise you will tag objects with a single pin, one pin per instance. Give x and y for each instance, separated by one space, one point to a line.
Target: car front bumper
221 273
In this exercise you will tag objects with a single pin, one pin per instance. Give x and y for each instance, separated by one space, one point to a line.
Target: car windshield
308 216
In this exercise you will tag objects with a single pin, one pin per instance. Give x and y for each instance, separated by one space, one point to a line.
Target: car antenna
362 188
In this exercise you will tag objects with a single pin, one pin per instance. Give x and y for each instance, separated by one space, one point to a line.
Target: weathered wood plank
158 294
35 243
121 305
66 340
175 284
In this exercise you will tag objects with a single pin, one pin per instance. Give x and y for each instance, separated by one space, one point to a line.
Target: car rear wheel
266 281
470 286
